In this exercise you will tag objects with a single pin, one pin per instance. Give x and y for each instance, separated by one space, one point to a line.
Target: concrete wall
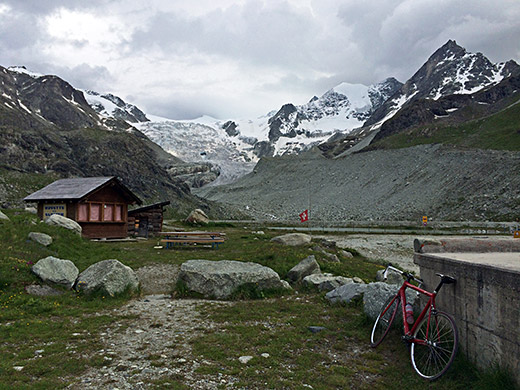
485 301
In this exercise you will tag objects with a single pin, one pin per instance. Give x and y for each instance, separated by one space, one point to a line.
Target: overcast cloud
242 58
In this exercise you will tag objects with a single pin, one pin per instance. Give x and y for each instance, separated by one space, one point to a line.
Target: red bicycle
433 337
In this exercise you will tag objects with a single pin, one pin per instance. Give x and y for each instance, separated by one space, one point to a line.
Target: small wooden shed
146 221
98 204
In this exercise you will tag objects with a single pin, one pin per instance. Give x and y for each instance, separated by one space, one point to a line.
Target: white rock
244 359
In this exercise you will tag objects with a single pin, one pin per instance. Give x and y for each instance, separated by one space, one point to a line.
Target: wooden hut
98 204
147 220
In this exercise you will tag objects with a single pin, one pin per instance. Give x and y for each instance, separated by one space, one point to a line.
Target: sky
181 59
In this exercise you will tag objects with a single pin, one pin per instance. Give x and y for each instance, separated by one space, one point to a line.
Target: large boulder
377 293
326 282
110 277
306 267
346 293
40 238
198 216
219 279
54 270
293 239
3 217
67 223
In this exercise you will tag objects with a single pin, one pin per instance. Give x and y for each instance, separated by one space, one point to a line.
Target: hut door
143 227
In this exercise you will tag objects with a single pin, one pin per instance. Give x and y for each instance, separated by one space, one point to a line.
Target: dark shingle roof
74 189
146 208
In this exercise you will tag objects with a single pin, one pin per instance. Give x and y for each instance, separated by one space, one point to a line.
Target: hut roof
77 189
149 207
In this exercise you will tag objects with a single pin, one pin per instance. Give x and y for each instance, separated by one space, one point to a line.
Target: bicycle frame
433 336
429 307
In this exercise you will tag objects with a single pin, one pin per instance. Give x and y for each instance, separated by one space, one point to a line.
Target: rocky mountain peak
109 105
451 69
285 120
43 101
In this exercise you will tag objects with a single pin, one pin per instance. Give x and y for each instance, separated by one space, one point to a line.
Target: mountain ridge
47 127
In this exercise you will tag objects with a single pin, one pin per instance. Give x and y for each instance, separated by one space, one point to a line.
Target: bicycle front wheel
384 320
434 346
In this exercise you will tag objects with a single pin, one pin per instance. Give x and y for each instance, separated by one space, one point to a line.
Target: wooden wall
154 219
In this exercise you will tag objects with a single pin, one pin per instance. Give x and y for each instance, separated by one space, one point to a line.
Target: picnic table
183 238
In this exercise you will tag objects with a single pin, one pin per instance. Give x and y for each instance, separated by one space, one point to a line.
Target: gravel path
150 339
152 344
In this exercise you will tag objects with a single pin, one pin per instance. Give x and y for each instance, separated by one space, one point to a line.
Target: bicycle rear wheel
435 345
384 320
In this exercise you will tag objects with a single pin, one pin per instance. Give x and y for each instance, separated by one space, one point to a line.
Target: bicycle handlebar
445 279
407 275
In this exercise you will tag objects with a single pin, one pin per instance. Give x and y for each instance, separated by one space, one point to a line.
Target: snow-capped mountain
236 145
450 70
109 105
340 110
344 115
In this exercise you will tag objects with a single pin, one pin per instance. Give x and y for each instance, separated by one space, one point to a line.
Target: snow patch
24 107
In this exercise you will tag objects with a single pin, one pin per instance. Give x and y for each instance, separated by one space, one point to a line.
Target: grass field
57 338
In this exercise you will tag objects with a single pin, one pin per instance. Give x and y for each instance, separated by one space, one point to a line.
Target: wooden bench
179 238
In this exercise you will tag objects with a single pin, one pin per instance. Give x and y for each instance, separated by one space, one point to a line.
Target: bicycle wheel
436 345
384 320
